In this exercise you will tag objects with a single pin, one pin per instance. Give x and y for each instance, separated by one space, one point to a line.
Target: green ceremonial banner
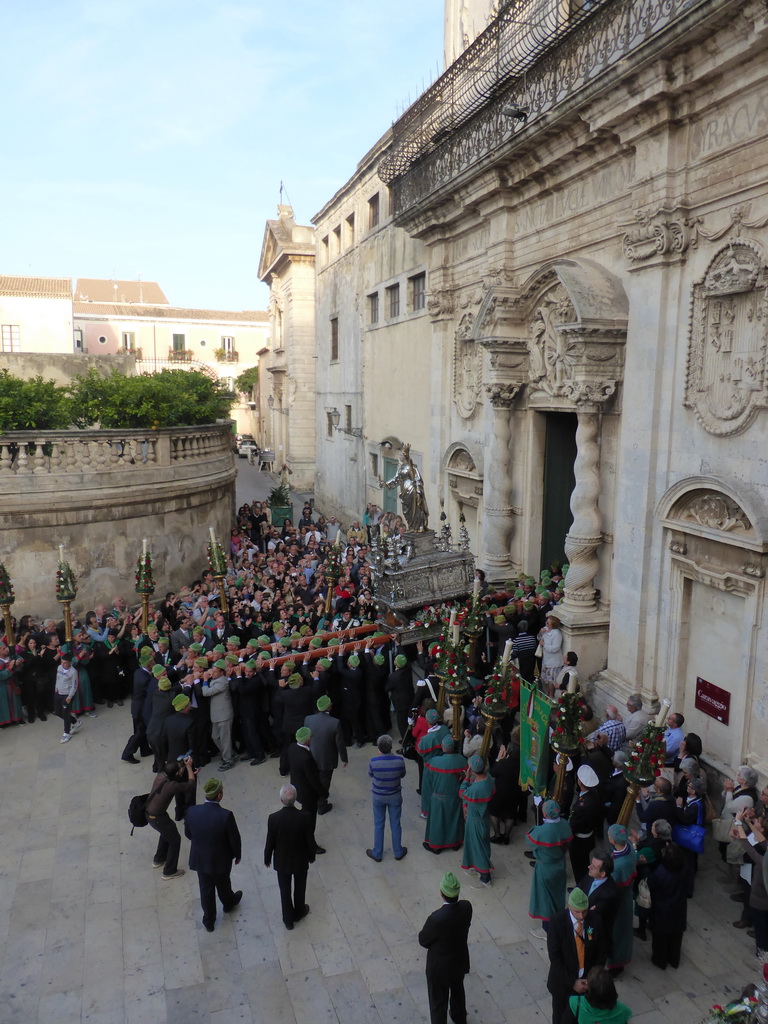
534 738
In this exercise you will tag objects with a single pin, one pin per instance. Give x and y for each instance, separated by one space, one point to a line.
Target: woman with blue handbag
689 831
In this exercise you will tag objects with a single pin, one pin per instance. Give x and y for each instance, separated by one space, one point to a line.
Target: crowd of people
242 684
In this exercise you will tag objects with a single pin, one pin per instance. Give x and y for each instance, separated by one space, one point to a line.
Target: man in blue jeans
386 770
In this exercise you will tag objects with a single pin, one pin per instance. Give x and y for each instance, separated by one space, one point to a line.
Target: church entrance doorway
559 482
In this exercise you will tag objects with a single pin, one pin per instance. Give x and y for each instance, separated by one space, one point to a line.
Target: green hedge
171 398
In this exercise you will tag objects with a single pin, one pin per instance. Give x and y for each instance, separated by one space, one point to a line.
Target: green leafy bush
247 380
171 398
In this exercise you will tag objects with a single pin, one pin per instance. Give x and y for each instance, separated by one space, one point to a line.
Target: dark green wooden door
389 495
559 481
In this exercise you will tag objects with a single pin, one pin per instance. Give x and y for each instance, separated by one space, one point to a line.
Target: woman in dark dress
669 906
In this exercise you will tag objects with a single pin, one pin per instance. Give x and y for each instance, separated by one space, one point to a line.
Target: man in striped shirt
386 771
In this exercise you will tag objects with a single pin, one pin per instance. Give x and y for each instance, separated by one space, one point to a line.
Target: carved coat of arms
467 367
727 381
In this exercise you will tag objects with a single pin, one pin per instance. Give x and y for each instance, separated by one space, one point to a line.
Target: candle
476 592
144 547
453 617
507 654
572 683
456 635
666 704
213 538
61 552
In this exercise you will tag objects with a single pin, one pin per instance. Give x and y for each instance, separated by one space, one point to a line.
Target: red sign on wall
713 700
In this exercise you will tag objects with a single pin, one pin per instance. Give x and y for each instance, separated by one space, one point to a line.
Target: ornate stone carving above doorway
467 367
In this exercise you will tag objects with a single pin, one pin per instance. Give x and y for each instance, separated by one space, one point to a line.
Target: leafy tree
35 404
247 380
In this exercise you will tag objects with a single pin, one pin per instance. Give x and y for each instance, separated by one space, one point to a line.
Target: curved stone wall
99 493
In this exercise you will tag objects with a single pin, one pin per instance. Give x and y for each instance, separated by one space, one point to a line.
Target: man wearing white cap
586 820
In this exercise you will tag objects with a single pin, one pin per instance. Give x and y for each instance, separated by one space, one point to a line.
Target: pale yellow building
36 314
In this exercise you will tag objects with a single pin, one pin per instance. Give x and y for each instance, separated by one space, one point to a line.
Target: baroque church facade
550 277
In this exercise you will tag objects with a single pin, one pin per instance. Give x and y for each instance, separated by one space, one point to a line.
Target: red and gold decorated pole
332 574
567 736
562 764
66 591
645 762
145 583
7 598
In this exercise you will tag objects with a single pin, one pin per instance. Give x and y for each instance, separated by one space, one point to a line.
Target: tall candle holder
218 564
66 592
567 737
645 762
145 584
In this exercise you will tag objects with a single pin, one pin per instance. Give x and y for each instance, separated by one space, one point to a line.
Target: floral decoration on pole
7 598
645 762
566 735
217 561
332 573
502 695
145 583
451 665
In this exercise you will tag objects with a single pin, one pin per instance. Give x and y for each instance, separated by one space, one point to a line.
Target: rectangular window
328 424
350 230
228 343
9 333
78 339
129 341
393 301
179 342
373 308
374 465
325 250
348 417
337 240
334 339
373 211
418 285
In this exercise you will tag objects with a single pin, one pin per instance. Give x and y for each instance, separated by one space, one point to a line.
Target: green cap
325 663
519 592
401 661
163 683
201 662
303 734
450 886
316 641
233 640
294 681
252 643
499 620
305 630
250 663
285 641
231 659
578 900
477 764
158 670
212 788
180 701
334 642
378 659
264 640
323 703
163 640
449 744
219 649
197 648
432 716
221 664
295 636
353 661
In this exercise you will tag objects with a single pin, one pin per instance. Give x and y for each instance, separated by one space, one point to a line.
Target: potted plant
279 502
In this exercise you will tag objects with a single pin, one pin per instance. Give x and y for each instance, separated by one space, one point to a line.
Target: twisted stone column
585 535
497 510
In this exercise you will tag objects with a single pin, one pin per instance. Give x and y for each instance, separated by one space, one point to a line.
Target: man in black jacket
305 777
216 843
291 845
399 686
138 741
586 820
575 944
444 936
602 892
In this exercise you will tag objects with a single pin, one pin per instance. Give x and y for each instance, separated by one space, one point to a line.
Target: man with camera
176 779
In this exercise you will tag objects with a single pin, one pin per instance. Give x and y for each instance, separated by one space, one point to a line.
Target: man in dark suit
142 677
444 936
291 845
575 943
327 746
601 891
215 840
305 777
181 638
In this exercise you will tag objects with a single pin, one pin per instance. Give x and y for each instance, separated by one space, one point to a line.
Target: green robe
624 872
430 745
477 826
445 824
10 701
548 842
83 698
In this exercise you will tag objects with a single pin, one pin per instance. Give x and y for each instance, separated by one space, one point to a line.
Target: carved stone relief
467 368
552 352
716 512
664 232
728 340
465 482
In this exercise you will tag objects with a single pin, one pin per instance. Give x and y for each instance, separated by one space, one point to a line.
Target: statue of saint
411 491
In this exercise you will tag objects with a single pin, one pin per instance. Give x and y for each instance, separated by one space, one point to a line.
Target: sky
150 138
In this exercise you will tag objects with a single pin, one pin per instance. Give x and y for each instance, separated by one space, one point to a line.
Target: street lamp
335 417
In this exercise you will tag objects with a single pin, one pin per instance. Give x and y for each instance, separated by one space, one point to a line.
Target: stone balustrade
100 492
51 457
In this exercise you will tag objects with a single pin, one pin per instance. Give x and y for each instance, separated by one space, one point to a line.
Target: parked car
246 445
